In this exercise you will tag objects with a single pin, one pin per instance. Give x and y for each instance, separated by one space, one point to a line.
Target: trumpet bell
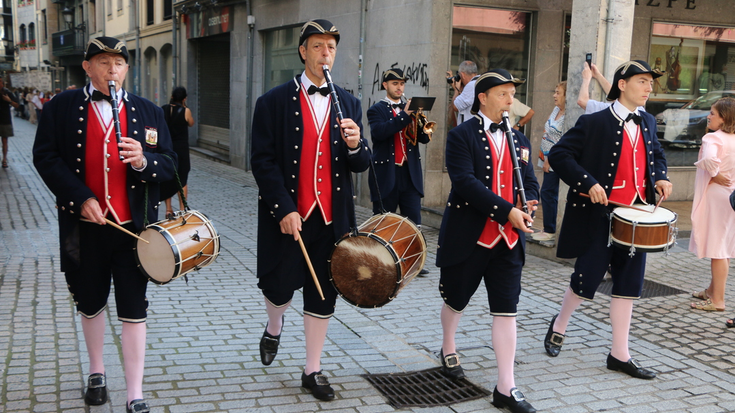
429 127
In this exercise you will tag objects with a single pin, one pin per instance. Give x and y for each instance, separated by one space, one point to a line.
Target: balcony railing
69 42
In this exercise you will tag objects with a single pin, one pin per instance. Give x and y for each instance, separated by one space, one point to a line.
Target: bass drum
370 267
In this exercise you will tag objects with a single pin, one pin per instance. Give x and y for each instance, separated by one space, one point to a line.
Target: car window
706 101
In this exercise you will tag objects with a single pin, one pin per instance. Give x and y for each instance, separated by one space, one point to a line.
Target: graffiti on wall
416 73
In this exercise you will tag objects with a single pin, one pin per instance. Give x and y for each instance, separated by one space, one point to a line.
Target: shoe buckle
635 363
451 361
96 381
321 380
517 395
270 341
556 338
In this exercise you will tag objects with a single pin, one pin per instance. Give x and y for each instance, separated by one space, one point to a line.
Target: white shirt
464 101
630 126
498 136
319 103
104 107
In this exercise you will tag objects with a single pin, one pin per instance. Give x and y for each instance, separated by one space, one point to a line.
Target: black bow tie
397 105
635 118
97 96
323 90
495 126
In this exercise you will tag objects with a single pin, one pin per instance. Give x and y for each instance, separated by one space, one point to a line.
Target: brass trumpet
420 123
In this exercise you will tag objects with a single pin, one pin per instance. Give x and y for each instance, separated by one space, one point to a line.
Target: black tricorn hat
490 79
628 69
318 26
393 74
105 44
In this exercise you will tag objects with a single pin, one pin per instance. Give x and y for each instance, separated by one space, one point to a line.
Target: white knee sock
570 303
133 346
621 311
315 330
450 322
275 317
504 344
94 338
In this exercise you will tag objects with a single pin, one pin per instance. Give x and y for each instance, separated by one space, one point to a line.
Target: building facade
229 52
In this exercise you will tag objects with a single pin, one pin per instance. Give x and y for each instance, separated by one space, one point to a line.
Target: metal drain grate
650 289
425 388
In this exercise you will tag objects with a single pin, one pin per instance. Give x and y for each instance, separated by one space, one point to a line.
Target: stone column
605 29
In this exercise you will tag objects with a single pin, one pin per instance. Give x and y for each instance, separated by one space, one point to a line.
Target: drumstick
125 230
620 205
658 203
311 269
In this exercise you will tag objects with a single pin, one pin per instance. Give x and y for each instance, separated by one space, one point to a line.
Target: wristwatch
519 125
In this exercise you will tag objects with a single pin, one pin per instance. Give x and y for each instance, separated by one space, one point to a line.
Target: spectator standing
553 129
713 225
179 119
464 90
519 114
6 119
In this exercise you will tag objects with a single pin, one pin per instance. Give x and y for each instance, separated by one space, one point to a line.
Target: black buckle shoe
553 340
631 368
138 406
451 366
516 402
96 393
269 345
318 384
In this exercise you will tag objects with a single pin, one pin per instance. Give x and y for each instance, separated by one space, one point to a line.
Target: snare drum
643 231
369 268
177 246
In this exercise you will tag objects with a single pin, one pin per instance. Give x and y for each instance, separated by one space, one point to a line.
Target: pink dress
713 220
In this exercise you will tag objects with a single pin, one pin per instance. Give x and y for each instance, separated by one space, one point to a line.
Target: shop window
492 39
699 62
282 62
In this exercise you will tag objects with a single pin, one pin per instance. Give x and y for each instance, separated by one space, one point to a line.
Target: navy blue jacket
471 202
588 154
59 156
383 127
276 150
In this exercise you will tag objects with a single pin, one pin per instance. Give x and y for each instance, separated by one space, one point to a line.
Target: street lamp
68 15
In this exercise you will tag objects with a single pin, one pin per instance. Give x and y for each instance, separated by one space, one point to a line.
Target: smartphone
588 59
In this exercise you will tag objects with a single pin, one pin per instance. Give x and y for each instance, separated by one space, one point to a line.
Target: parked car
685 126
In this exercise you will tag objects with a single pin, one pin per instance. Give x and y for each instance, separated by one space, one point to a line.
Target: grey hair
469 67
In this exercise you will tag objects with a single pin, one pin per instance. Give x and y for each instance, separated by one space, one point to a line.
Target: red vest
399 145
106 174
315 170
502 186
630 178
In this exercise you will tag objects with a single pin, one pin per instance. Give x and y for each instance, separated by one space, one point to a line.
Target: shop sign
209 22
688 4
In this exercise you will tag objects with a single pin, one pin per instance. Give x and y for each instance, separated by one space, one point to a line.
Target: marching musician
78 156
396 158
483 231
302 159
611 155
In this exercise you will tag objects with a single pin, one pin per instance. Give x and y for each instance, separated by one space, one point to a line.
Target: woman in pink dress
713 221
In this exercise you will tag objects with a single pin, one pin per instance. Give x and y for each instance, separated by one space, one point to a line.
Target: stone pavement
203 337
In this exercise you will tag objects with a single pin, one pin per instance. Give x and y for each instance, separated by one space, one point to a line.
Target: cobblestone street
203 336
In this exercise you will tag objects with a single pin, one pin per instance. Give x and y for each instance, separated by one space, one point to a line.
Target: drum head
661 215
157 259
364 270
